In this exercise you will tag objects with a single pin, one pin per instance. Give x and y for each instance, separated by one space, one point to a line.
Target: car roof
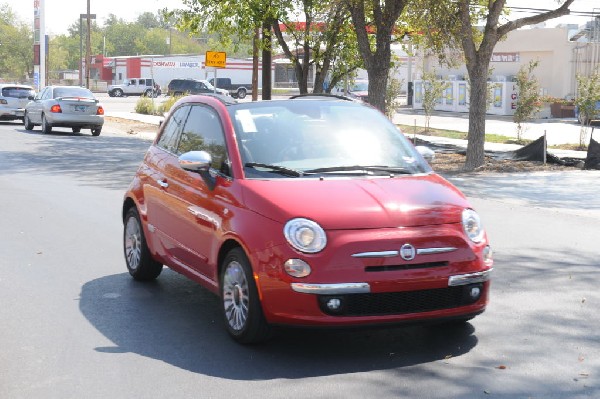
20 86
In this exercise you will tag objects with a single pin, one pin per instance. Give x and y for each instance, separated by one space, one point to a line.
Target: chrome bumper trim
381 254
430 251
464 279
391 254
332 289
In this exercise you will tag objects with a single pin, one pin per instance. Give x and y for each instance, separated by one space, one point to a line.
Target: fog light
488 255
334 304
297 268
475 293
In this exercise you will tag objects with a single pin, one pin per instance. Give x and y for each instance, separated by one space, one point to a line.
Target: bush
145 105
167 105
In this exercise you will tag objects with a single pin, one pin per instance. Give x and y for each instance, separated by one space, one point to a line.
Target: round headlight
472 225
305 235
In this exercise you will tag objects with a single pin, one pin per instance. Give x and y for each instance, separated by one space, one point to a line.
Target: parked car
184 86
13 98
359 90
138 87
236 90
306 212
65 106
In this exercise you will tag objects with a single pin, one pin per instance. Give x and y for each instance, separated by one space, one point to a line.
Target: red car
304 212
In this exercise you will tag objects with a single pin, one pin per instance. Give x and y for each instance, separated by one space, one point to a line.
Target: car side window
170 135
203 132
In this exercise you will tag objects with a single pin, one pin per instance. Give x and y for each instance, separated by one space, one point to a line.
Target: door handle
163 183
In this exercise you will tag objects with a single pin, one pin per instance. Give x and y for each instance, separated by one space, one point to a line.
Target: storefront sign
505 57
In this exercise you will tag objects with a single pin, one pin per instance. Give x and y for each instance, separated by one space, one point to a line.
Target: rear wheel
96 131
242 310
27 122
140 263
241 93
46 127
76 129
118 93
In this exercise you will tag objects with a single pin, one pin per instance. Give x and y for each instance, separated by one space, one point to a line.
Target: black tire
46 127
96 131
138 259
111 94
118 93
76 129
242 310
27 122
148 93
241 93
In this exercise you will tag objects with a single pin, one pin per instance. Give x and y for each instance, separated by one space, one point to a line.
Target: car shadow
176 321
104 161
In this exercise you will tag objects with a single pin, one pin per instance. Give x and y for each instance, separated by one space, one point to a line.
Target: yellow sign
216 59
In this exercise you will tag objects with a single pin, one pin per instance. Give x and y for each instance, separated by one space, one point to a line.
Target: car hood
358 203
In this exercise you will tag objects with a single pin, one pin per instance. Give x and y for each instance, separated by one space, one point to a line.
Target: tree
16 38
433 89
379 16
457 27
529 99
587 102
324 40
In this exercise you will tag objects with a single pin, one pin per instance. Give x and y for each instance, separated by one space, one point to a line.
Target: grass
489 137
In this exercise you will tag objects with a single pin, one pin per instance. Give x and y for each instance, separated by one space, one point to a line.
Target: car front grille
397 303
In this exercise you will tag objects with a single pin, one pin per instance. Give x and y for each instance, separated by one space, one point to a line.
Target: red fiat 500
305 212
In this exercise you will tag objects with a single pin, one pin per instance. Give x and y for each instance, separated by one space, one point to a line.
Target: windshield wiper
363 169
276 168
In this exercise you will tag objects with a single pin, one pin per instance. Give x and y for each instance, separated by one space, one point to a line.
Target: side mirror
426 153
198 162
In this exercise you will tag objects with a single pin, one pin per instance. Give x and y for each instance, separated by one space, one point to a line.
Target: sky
60 14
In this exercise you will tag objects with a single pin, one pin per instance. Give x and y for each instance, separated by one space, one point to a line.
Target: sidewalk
558 131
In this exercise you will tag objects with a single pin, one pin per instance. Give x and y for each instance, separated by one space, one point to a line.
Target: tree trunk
255 42
477 111
266 60
378 77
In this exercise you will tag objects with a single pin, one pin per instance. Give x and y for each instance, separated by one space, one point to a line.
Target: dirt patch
453 164
130 127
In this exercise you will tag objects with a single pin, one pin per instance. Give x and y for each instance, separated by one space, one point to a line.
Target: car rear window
72 92
17 92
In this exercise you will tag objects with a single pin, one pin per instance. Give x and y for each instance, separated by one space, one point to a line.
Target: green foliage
145 106
529 100
433 88
392 93
588 94
166 105
16 55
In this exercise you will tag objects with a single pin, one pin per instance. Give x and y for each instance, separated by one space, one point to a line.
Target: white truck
135 87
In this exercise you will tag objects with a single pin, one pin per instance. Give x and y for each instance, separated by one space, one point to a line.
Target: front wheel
140 263
242 310
118 93
76 129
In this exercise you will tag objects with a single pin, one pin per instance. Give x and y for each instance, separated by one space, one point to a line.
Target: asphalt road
73 324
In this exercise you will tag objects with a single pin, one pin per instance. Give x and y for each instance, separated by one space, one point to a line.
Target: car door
197 211
34 108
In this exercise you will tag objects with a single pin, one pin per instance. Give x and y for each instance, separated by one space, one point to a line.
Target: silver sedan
65 106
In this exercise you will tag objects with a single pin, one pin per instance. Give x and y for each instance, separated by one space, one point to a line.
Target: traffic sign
216 59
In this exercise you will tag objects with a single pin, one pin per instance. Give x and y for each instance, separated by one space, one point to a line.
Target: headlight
472 225
305 235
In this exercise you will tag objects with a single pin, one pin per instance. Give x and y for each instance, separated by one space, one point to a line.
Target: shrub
166 105
145 105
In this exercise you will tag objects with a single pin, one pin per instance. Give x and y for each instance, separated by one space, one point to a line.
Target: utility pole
87 50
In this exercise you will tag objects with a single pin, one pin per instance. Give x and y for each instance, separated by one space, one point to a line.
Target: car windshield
62 92
306 138
17 92
360 86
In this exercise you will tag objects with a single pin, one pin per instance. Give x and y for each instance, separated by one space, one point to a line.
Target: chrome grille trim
391 254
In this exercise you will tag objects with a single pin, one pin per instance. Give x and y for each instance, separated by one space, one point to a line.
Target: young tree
587 102
529 99
16 55
433 89
458 25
